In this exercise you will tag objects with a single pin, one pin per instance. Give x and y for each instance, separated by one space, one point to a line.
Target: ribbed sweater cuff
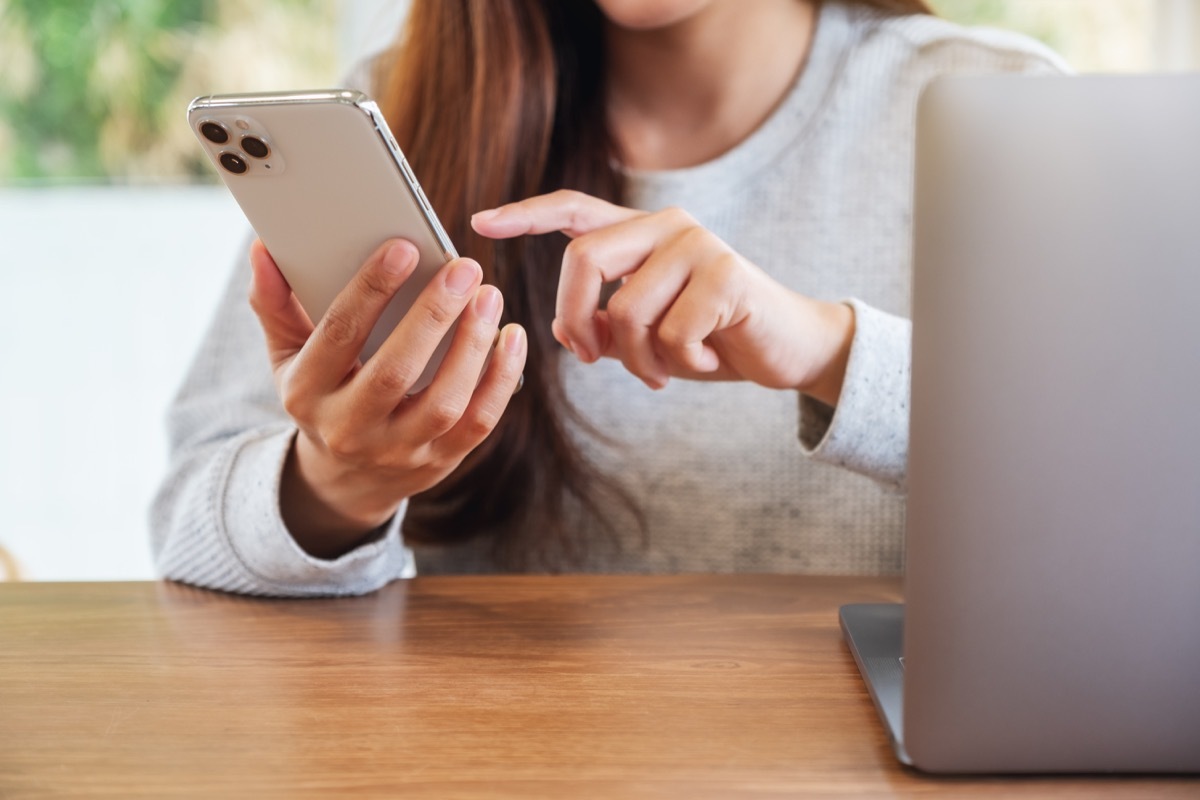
868 430
250 518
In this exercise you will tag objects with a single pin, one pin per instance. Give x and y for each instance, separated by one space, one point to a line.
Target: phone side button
408 173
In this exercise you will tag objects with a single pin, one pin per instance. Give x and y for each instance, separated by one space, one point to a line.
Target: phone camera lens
215 132
255 146
235 164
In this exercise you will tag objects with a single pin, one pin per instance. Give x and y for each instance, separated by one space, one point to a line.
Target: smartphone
323 183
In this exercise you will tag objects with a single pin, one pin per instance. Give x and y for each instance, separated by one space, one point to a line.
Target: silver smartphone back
323 183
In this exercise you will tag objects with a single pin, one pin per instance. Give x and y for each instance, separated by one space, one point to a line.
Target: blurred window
1096 35
97 90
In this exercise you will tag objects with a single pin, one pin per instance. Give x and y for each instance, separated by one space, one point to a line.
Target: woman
728 175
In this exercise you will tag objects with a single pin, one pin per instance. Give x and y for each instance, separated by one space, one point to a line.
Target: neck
682 95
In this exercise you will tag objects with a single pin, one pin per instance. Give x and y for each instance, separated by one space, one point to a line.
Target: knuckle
293 405
697 237
567 196
480 426
342 441
339 328
478 343
727 273
439 315
373 283
295 402
671 334
443 413
580 254
624 309
573 201
393 378
581 263
403 458
678 216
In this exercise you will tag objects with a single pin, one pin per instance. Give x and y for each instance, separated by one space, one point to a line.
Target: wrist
836 337
328 508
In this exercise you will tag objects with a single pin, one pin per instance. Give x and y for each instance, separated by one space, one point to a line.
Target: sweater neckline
792 117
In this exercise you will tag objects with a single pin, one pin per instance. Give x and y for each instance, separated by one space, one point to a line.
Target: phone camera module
215 132
234 163
255 146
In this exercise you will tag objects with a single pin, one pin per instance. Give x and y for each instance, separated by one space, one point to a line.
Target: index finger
338 339
570 212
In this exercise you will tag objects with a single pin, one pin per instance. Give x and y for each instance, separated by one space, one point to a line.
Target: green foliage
91 59
1046 27
97 90
980 12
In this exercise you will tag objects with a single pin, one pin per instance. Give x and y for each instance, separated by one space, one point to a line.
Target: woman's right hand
363 446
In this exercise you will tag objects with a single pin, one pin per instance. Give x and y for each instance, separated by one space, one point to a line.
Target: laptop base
875 635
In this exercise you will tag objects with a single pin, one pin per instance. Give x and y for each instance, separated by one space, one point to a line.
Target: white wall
104 293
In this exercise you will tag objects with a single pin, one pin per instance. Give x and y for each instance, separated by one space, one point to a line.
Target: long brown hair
494 101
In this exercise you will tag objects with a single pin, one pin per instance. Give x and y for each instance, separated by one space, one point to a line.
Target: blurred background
115 238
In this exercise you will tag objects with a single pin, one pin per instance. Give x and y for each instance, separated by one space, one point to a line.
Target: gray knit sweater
729 476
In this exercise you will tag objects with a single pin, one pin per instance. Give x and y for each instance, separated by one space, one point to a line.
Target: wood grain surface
629 687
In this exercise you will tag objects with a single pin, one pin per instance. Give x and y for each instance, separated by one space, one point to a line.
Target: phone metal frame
360 101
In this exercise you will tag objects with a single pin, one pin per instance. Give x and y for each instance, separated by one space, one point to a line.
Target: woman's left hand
688 305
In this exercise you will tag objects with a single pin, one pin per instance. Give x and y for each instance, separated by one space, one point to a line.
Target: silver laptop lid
1053 577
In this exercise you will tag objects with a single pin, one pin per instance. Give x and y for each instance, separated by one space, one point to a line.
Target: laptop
1052 595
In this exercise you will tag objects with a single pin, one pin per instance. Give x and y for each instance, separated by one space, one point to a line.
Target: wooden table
693 686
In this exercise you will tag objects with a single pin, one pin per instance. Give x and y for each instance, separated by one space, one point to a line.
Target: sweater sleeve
215 521
868 430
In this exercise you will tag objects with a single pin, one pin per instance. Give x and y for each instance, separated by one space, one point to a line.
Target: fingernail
485 215
487 304
655 383
462 278
514 339
397 259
